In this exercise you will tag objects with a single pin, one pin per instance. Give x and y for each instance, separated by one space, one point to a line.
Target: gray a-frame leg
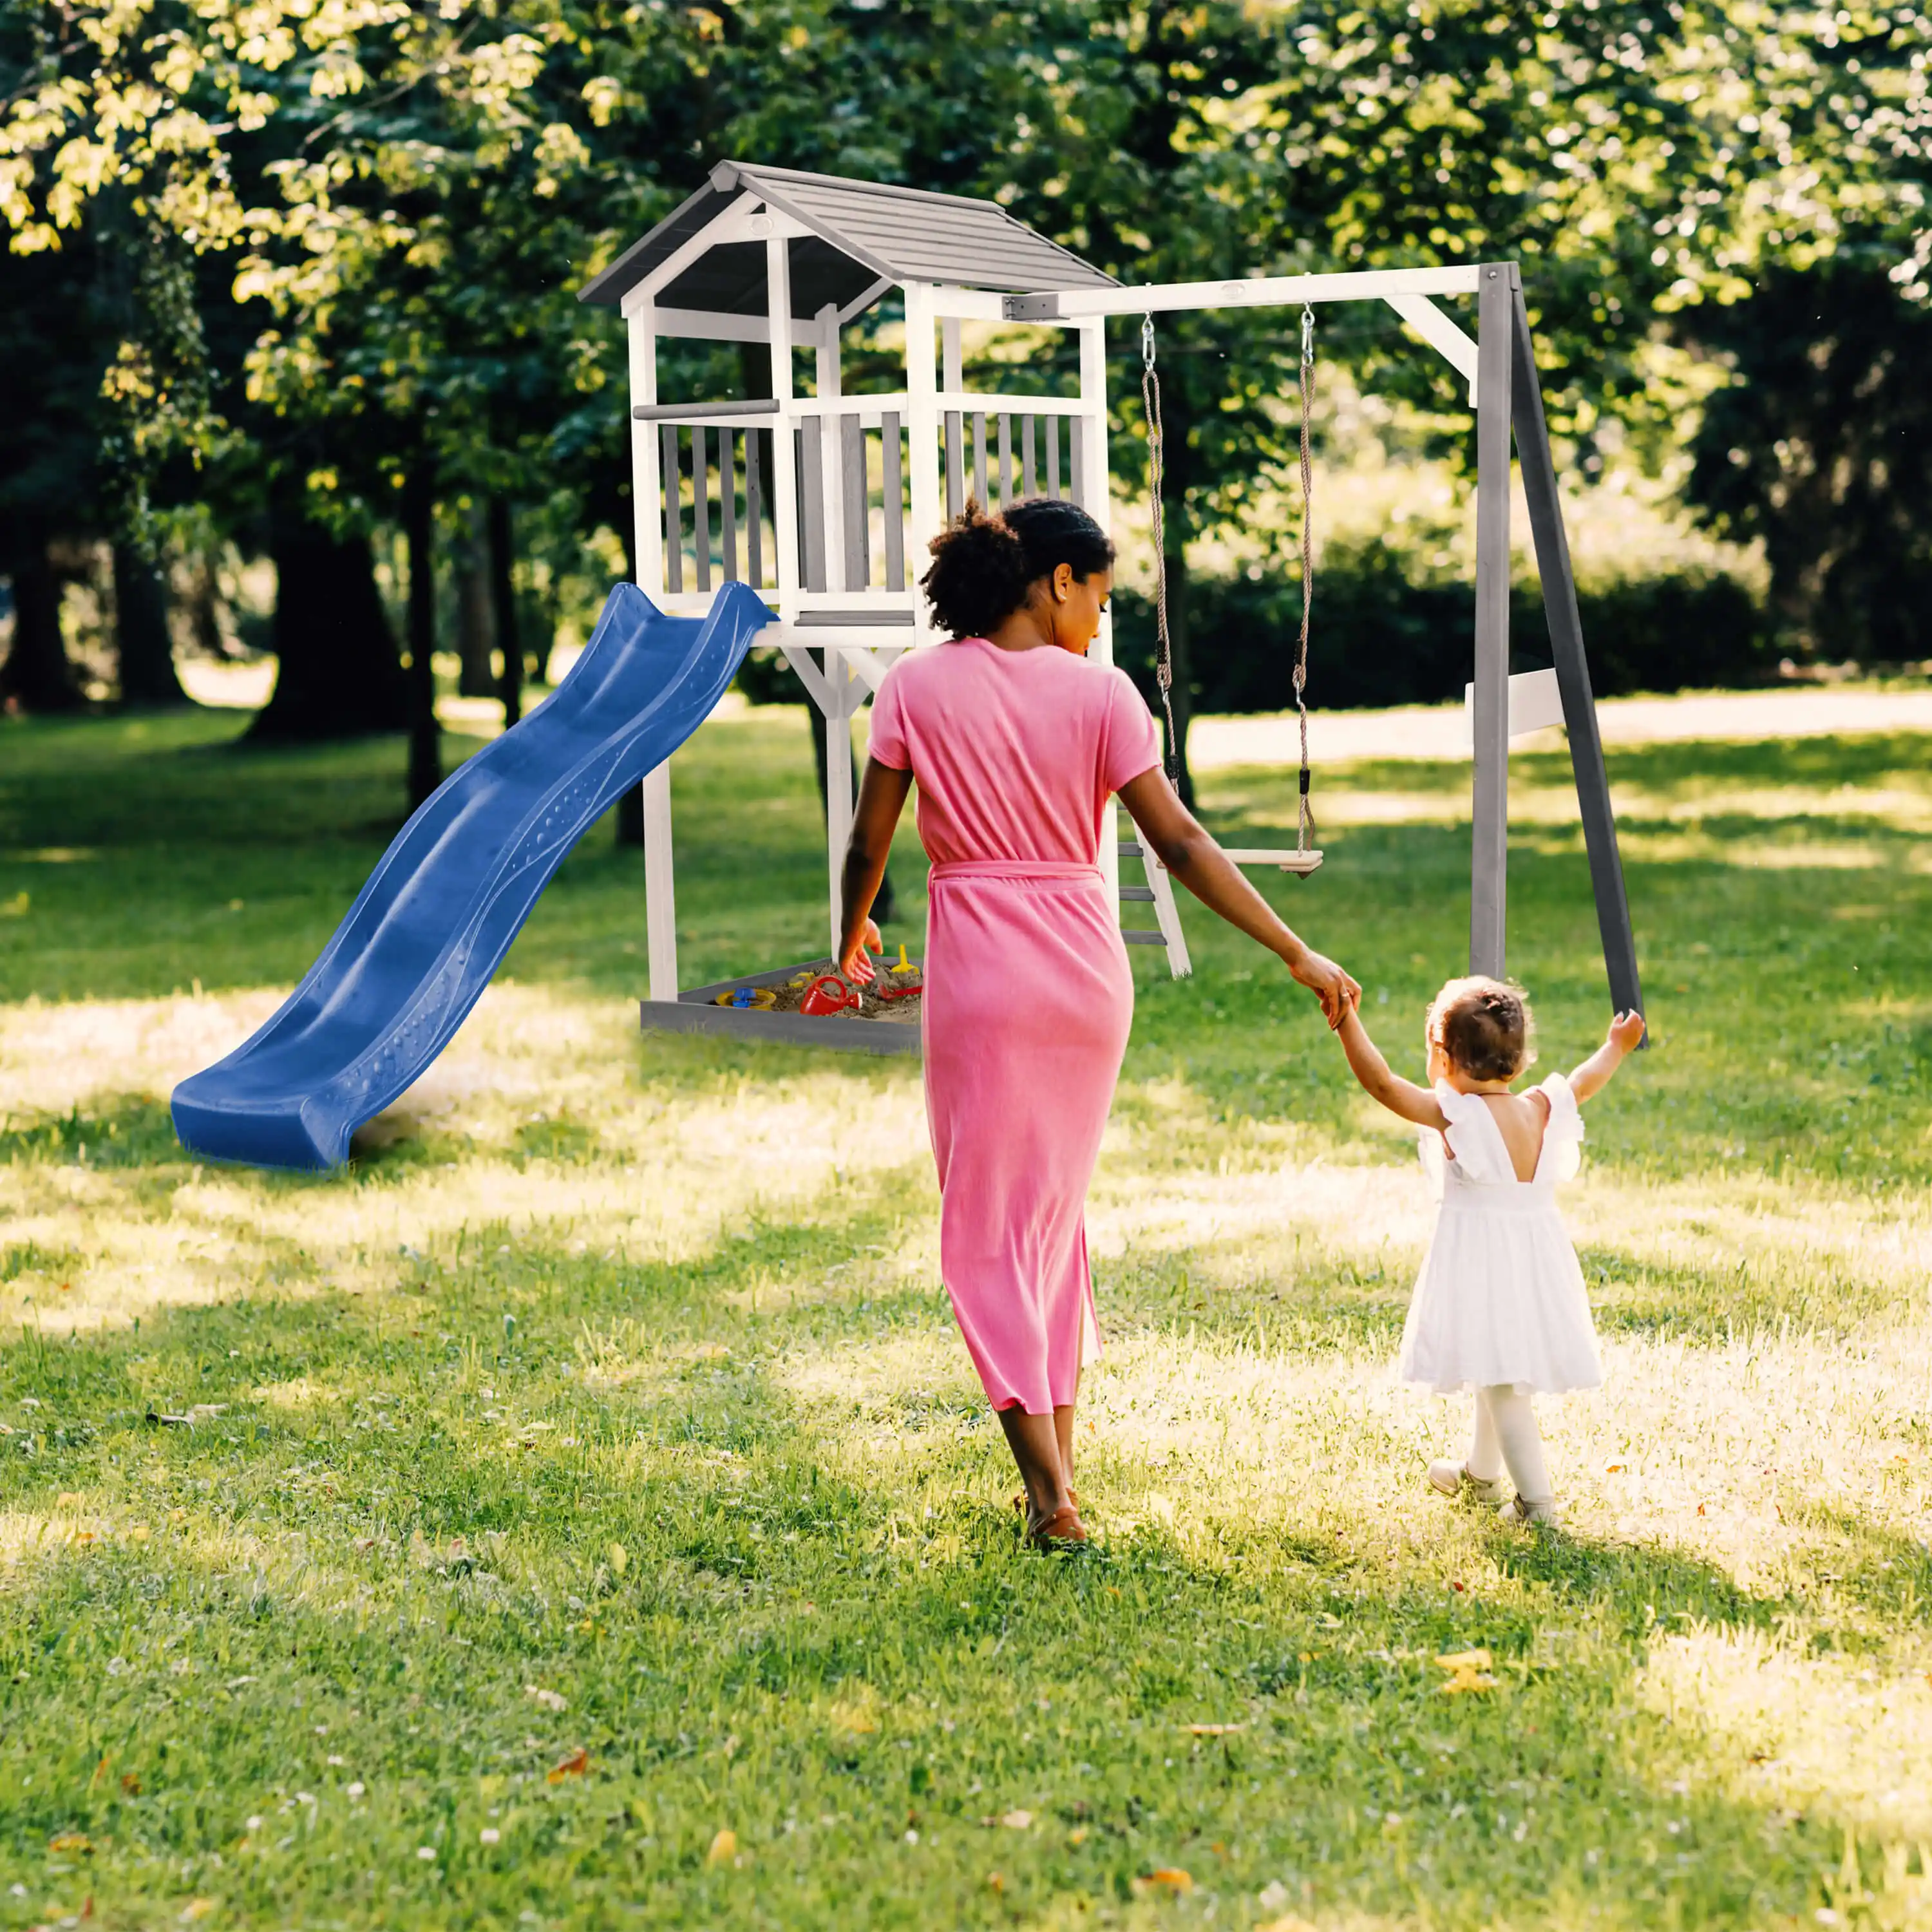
1488 855
1572 670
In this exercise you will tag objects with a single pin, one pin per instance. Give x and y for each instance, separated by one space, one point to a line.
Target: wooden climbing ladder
1158 893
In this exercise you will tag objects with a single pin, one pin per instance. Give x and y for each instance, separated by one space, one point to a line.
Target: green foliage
1820 448
1389 629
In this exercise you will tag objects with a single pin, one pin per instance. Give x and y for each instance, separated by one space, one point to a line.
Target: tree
1820 448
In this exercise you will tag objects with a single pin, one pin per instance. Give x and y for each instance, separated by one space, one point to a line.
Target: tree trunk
503 606
425 772
147 650
338 672
475 631
37 675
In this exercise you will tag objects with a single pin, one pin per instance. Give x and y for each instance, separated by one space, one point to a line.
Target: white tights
1507 1436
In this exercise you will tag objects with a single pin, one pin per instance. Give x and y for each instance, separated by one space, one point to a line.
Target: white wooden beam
1442 333
832 497
1255 291
705 325
783 480
647 469
922 442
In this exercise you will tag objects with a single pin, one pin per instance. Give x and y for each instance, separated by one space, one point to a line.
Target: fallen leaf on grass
574 1765
994 1882
1017 1821
70 1841
1468 1670
131 1784
197 1908
551 1700
1215 1730
618 1558
723 1848
1078 1836
1169 1878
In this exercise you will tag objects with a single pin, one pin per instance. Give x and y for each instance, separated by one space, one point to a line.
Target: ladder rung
1144 938
1143 893
1129 850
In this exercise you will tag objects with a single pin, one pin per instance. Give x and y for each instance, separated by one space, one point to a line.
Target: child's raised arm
1594 1076
1400 1096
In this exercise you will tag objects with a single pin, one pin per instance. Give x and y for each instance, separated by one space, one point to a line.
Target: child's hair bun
1484 1026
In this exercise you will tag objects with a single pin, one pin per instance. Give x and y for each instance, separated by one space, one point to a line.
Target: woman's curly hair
1484 1026
984 568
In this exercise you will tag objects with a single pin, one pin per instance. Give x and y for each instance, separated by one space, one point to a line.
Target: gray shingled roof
863 232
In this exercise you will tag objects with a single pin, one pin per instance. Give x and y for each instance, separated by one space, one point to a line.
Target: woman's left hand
1338 991
855 966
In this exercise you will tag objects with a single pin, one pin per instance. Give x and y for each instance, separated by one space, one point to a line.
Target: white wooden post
954 379
831 493
660 896
784 462
646 472
922 445
845 691
647 507
1094 493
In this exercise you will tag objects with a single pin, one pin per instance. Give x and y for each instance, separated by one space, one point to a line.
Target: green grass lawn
582 1512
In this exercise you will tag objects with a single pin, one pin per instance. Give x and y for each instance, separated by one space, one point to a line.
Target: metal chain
1163 657
1306 818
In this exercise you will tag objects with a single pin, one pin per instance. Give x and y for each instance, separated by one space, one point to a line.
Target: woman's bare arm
1400 1096
1189 851
882 797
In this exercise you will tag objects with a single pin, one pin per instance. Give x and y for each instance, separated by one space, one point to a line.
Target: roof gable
863 233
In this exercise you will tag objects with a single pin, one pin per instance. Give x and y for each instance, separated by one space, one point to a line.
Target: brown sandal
1020 1500
1061 1530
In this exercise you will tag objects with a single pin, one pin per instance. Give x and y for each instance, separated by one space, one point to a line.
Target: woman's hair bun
984 567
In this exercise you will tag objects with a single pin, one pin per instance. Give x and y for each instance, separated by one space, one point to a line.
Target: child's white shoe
1452 1479
1540 1516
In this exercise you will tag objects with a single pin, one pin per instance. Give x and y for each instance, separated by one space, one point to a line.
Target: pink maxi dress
1028 995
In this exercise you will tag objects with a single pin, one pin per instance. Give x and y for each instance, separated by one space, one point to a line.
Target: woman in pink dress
1016 742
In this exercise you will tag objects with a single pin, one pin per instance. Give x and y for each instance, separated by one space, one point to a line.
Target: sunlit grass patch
583 1506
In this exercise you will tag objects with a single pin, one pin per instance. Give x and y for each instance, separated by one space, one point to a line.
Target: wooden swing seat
1303 863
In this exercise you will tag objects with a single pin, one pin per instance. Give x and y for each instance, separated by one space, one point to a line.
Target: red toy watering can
828 994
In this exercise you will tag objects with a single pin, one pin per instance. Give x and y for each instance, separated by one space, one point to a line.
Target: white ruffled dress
1500 1297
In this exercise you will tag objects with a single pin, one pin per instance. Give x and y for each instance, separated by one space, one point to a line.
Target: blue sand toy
439 913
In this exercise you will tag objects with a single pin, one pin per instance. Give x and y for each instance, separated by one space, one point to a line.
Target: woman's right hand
855 966
1337 990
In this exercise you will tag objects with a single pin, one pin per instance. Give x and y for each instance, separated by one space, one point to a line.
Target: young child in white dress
1500 1306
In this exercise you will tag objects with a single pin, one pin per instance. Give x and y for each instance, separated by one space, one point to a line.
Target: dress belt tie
1015 868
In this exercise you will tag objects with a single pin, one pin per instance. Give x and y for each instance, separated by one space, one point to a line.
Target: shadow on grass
377 1569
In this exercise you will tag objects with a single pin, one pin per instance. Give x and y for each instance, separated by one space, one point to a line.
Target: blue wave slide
438 914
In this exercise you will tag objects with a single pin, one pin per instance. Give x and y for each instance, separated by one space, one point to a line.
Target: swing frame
1500 365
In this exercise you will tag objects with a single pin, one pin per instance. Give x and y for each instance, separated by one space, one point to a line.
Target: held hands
855 966
1626 1032
1337 990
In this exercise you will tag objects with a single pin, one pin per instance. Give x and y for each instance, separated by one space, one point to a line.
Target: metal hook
1147 342
1307 334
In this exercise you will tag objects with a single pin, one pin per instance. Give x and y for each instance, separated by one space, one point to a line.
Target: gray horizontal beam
701 412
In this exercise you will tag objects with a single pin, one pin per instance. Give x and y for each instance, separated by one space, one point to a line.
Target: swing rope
1163 662
1305 825
1163 655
